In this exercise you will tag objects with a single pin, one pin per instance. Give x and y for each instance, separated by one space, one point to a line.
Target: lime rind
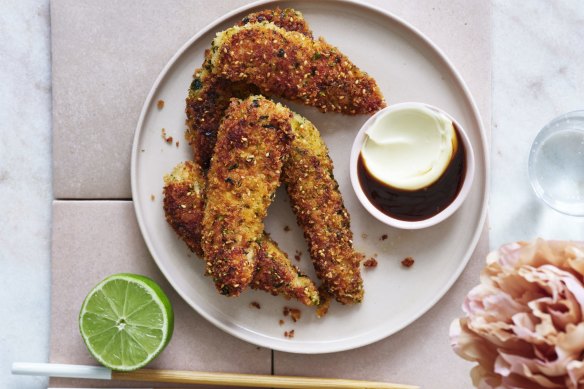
144 331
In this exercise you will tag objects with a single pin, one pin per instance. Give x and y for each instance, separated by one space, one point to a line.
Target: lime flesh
126 321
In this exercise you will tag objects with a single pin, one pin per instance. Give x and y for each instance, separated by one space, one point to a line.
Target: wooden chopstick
196 377
250 380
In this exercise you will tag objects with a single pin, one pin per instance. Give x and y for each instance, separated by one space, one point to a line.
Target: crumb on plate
298 255
255 304
294 313
370 263
407 262
167 139
160 104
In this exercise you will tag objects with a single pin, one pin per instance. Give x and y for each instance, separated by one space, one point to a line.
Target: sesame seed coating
252 144
291 65
318 205
210 93
184 200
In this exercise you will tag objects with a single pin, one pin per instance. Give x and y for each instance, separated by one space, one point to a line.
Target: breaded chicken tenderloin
318 205
184 204
288 18
209 93
291 65
253 142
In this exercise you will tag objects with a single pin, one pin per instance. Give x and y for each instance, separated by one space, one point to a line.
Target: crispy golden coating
276 275
184 196
208 99
184 202
209 93
288 18
252 144
318 205
291 65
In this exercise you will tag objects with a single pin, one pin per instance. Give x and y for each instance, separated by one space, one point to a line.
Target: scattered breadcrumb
322 310
152 197
294 313
289 334
160 104
167 139
286 228
364 236
255 304
177 143
371 262
281 322
298 255
407 262
142 150
383 237
375 255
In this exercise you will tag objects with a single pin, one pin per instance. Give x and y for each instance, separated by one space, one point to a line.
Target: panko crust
184 197
252 144
318 205
210 93
288 18
277 276
291 65
184 201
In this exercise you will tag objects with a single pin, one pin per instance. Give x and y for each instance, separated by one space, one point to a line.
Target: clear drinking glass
556 164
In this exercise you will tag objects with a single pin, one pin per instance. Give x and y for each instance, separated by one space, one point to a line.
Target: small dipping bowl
457 199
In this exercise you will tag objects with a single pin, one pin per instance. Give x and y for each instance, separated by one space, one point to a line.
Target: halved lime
126 321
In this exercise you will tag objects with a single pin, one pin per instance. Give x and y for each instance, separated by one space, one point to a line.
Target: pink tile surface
94 239
105 58
107 54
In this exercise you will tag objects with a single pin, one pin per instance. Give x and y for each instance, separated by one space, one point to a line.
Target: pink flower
524 322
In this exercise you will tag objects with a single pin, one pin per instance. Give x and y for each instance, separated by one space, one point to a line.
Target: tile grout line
272 356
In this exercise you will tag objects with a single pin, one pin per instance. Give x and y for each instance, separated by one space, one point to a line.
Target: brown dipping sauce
417 204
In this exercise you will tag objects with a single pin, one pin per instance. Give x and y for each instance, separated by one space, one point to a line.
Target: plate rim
350 343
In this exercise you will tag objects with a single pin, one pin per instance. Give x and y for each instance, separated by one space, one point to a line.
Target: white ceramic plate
408 68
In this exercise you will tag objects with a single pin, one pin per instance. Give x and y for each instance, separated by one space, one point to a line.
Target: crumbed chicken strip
207 101
253 142
184 201
209 93
318 205
276 275
291 65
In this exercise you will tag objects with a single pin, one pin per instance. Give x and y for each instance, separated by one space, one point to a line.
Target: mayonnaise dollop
409 148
